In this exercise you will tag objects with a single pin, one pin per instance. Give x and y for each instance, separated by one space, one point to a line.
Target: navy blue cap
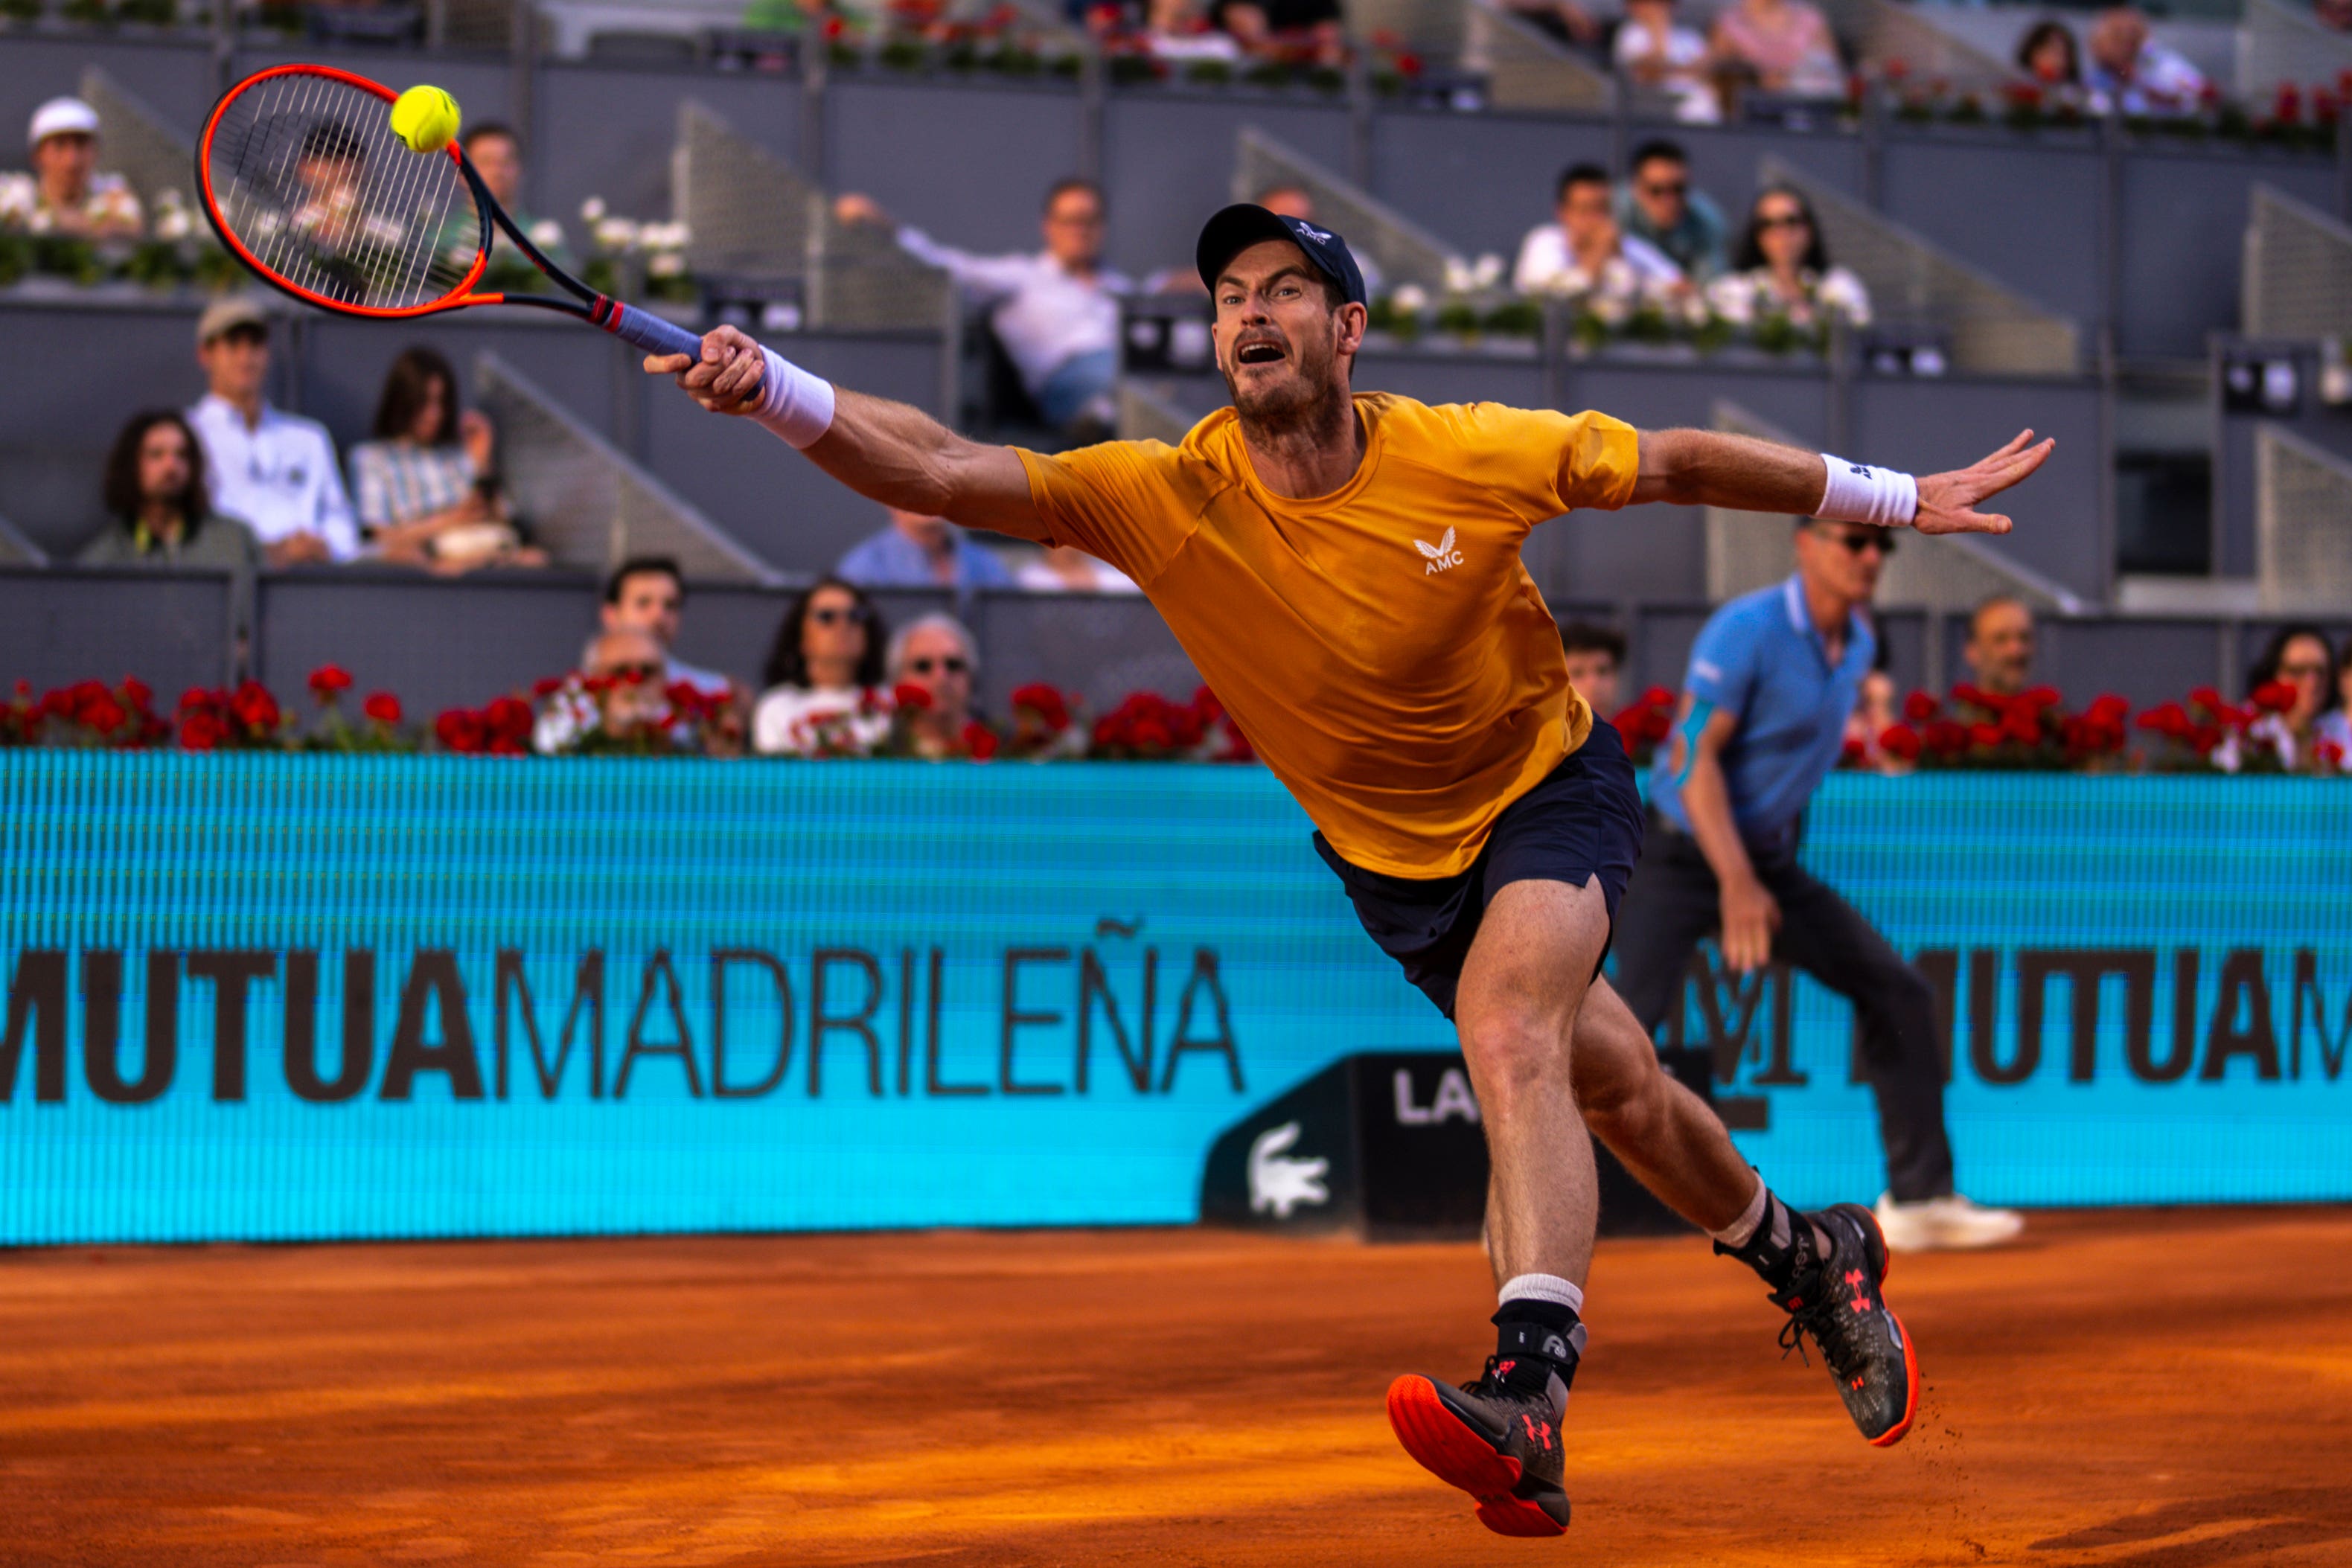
1236 228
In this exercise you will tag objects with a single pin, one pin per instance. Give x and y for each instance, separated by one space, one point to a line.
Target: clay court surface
2144 1389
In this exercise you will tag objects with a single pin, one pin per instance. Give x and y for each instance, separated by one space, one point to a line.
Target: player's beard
1308 401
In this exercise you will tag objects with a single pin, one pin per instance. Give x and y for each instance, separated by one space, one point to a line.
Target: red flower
329 679
1974 696
1205 703
1982 733
255 709
460 730
2208 698
2022 725
196 698
1408 63
1852 754
2275 696
1919 708
104 716
137 693
2331 756
1901 741
911 696
1946 738
200 731
382 708
979 742
509 722
548 686
1051 707
834 28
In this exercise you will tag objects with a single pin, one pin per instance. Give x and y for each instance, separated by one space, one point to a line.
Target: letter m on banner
2307 990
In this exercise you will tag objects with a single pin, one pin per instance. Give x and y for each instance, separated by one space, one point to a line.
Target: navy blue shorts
1583 821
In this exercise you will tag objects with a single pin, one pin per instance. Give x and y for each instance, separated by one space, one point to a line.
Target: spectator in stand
917 551
819 698
497 154
2335 724
1772 683
647 593
1596 655
424 485
64 194
1783 268
1659 208
1063 570
275 471
159 512
1056 313
633 705
1660 53
936 654
2300 656
2000 648
1785 45
1182 30
2048 55
2131 74
1565 20
1583 251
1309 30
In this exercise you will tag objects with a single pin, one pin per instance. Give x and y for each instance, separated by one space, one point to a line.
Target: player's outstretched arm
1708 468
885 451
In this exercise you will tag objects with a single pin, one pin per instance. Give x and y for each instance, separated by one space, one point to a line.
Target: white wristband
1856 493
793 403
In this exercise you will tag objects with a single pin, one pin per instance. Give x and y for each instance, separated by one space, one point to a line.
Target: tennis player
1344 569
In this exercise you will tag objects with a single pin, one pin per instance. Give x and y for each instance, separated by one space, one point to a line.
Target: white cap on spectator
61 117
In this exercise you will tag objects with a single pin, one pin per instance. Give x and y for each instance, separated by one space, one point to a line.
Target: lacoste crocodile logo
1440 556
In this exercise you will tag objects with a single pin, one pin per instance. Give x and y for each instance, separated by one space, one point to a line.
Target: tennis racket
308 184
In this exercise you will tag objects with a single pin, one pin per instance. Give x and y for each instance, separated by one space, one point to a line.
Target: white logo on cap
1311 232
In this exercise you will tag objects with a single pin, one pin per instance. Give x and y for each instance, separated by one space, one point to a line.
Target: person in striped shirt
422 484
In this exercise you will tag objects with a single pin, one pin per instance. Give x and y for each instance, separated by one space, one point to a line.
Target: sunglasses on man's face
1860 540
949 665
1676 189
2299 671
834 615
1784 221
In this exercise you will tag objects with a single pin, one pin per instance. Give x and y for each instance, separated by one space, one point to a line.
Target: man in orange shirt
1344 568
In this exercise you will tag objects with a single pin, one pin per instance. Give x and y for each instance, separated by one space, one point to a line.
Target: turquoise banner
279 998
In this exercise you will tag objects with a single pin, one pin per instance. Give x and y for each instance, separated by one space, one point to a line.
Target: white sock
1738 1232
1540 1287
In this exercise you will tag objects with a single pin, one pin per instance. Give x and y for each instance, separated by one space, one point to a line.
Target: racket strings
306 172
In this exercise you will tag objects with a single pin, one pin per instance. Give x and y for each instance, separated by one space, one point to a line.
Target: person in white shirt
277 471
823 678
1055 312
2135 75
1584 251
1660 53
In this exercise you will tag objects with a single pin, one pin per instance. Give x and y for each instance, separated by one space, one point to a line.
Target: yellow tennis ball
425 118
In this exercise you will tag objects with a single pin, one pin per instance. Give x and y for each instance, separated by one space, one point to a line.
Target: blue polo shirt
1759 657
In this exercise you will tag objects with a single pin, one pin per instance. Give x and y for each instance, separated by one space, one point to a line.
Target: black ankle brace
1534 1340
1781 1251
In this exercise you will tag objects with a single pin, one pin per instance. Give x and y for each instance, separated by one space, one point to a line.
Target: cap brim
1233 231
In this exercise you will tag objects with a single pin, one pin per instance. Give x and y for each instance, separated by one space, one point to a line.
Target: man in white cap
275 470
65 194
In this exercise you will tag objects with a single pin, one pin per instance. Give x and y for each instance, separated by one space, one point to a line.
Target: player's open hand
726 379
1947 501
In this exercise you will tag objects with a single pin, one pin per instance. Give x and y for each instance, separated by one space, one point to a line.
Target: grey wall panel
770 497
1903 647
1724 159
2234 473
2184 227
1478 182
1168 163
971 165
433 643
1662 635
1435 376
173 75
483 85
345 360
64 625
1929 426
1102 646
2024 210
607 132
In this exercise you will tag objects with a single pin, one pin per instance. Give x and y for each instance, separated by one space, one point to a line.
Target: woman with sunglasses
821 673
2299 656
1783 270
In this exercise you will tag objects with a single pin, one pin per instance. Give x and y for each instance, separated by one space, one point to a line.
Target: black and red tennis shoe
1498 1439
1840 1305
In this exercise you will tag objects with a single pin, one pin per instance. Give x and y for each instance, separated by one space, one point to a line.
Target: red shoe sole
1441 1444
1894 1435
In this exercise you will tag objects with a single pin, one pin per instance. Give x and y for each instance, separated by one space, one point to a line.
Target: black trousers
1673 901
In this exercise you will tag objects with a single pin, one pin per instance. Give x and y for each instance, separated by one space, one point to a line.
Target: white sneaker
1945 1222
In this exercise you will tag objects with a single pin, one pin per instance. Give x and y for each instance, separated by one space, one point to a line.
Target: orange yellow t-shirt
1381 646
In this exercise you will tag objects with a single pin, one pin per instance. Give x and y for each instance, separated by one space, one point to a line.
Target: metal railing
2303 526
2297 281
749 214
1524 68
2283 43
1992 330
1403 250
137 143
469 24
1947 574
15 550
1879 31
588 504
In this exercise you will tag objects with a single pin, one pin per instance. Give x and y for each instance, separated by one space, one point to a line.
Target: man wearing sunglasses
936 654
1772 680
1344 570
1660 206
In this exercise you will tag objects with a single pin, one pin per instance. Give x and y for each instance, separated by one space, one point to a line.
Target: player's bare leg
1824 1269
1522 989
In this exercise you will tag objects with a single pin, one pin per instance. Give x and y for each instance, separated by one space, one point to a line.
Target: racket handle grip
652 333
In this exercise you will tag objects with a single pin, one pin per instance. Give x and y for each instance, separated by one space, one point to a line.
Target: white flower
173 223
592 210
664 236
546 233
616 234
1613 310
1734 299
1487 271
1843 292
1696 311
666 264
1409 299
1459 279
